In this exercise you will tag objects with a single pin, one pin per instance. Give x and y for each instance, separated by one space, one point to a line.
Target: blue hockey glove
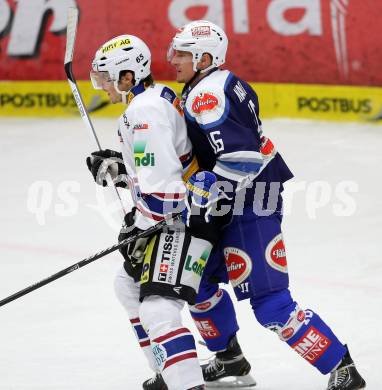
104 162
201 193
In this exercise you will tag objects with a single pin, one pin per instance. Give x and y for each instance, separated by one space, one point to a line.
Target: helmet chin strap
122 93
195 65
196 74
205 70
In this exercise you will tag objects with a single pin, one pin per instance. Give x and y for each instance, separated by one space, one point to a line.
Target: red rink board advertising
291 41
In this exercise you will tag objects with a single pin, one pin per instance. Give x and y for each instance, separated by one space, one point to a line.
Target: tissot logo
165 257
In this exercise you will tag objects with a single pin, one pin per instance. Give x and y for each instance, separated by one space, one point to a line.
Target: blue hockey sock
215 319
302 330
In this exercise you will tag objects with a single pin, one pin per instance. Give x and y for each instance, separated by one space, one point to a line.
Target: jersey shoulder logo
204 101
172 98
168 94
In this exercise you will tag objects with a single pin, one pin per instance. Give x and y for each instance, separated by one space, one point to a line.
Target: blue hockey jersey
222 115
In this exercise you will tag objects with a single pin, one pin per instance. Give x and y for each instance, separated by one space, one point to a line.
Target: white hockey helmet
125 52
199 37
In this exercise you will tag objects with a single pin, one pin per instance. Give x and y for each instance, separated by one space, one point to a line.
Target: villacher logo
204 102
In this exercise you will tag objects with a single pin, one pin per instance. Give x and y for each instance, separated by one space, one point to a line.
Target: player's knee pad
302 330
215 319
272 310
127 292
206 290
159 314
279 313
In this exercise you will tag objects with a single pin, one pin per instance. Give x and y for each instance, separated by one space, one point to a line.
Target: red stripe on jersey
171 334
149 214
144 343
189 355
166 196
135 320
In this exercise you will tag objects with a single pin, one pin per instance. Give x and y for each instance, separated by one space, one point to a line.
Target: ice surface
73 335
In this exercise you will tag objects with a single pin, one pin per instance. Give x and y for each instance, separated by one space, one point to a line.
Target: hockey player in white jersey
222 116
162 272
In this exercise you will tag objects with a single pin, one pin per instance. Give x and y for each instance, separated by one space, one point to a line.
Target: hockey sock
173 345
302 330
127 292
215 319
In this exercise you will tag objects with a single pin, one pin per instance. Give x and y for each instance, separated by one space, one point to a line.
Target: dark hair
147 81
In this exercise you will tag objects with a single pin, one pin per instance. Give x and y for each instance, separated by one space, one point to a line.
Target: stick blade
71 33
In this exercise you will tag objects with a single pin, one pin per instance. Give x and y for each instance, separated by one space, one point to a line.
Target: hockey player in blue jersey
222 115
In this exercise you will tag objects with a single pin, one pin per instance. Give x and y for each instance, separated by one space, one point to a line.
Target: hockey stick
70 41
86 261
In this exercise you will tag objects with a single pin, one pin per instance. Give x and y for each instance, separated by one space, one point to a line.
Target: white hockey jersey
156 151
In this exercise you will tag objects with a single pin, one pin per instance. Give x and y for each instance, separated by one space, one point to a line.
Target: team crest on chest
239 265
205 101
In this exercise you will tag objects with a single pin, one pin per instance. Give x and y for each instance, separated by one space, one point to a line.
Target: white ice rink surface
73 335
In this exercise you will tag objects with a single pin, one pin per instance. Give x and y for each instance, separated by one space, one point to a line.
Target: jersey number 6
216 141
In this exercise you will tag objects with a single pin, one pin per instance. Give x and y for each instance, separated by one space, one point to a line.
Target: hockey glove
134 252
201 194
104 162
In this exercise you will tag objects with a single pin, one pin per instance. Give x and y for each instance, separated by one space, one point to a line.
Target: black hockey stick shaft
83 262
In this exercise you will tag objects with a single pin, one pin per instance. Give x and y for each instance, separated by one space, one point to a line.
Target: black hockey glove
133 253
105 162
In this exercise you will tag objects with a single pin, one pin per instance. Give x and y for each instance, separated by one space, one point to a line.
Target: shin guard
215 319
303 330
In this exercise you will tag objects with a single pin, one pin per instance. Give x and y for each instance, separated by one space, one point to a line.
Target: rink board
338 103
